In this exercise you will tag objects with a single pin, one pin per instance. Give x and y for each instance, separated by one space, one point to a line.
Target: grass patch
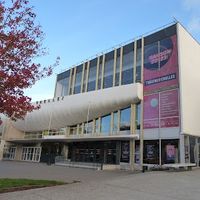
9 185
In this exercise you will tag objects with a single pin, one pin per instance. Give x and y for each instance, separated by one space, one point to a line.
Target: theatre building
138 103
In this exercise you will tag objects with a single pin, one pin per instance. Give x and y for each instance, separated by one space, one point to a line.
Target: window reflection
117 71
92 75
128 62
138 113
108 70
100 72
96 126
115 122
62 85
105 124
125 118
77 86
88 127
138 65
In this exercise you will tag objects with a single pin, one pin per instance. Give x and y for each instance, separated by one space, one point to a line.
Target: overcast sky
78 29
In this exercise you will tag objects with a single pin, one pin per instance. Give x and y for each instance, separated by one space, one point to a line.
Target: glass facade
100 72
117 70
108 70
92 75
78 79
62 86
105 125
128 63
125 119
115 122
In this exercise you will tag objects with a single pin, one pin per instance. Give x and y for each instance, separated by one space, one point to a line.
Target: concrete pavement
101 185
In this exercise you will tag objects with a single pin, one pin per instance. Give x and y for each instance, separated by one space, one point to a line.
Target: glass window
73 130
138 65
100 72
125 118
138 108
105 124
88 127
96 126
80 129
72 78
128 62
117 71
77 86
92 75
108 70
62 85
115 122
85 77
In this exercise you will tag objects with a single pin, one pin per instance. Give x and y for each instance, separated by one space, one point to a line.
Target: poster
161 109
151 111
125 152
160 64
171 152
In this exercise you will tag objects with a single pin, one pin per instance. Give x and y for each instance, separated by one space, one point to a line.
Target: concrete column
132 154
18 153
3 142
65 151
197 151
182 148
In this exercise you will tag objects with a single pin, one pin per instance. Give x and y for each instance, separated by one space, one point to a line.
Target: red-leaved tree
20 42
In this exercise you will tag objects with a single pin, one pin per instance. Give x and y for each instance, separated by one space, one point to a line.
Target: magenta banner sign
151 111
160 64
161 109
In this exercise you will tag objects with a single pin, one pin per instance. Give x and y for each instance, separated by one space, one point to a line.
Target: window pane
138 65
84 78
125 119
77 86
138 107
62 86
115 122
105 125
117 68
92 75
108 70
100 72
96 126
128 61
88 127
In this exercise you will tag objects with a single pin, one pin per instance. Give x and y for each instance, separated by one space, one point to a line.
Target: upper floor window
128 63
92 75
108 70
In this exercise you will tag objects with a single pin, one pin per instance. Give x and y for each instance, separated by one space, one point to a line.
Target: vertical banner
160 64
161 107
151 111
168 116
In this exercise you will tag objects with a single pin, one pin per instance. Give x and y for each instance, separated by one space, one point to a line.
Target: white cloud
194 24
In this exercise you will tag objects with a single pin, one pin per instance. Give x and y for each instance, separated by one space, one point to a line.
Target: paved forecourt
101 185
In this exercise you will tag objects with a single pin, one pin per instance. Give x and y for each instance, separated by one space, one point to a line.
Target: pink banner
151 111
160 64
167 102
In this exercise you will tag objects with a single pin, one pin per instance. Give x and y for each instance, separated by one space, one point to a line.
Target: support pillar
182 148
132 154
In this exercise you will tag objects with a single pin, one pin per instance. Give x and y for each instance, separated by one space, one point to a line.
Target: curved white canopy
78 108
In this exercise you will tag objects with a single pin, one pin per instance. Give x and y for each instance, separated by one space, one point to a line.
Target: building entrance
98 152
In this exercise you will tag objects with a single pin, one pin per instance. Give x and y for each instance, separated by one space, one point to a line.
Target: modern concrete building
137 103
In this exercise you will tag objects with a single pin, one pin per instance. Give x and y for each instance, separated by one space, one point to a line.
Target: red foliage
20 43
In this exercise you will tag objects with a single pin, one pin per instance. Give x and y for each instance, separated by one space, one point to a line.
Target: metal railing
61 160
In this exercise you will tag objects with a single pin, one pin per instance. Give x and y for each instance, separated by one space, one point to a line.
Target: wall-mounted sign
160 64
